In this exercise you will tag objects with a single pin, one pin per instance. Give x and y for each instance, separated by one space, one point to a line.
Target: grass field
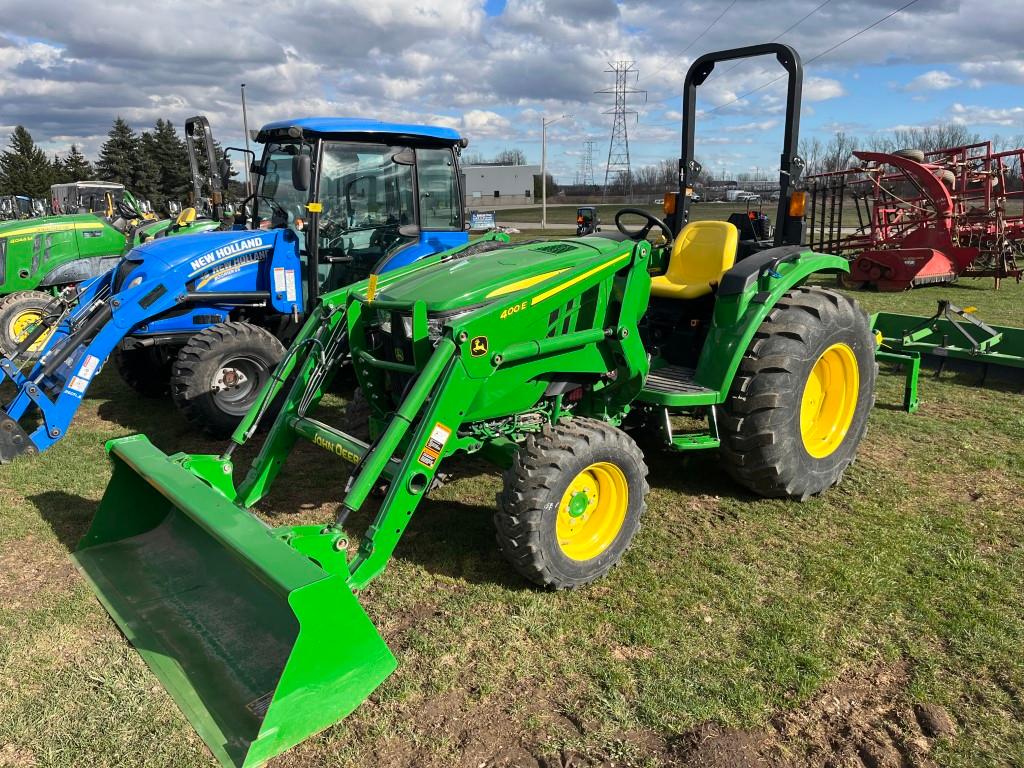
736 632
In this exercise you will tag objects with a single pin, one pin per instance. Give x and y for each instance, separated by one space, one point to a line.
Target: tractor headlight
436 324
134 281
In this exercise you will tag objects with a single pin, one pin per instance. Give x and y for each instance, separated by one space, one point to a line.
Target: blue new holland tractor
207 317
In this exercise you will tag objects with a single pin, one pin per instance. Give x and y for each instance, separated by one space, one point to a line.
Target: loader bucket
255 642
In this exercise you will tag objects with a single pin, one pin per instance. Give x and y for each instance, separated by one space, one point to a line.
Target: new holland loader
536 356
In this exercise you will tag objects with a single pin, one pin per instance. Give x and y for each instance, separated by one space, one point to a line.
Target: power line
815 58
786 31
693 42
807 61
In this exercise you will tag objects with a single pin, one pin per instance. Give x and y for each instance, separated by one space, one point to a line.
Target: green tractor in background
96 222
542 358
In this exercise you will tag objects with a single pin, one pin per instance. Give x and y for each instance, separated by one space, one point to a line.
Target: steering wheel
642 233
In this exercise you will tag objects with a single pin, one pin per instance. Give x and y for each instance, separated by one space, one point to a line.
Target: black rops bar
696 75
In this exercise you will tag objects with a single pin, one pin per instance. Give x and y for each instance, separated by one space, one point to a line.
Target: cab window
438 190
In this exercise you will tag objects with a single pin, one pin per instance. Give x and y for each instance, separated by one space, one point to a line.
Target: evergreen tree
170 155
75 167
119 155
146 173
24 167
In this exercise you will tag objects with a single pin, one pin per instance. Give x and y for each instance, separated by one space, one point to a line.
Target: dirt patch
13 756
712 746
863 720
30 567
860 721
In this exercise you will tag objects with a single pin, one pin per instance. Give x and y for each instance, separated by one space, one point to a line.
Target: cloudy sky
491 68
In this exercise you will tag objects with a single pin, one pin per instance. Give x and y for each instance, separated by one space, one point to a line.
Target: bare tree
511 156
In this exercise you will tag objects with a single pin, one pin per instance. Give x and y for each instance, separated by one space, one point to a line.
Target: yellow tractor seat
701 254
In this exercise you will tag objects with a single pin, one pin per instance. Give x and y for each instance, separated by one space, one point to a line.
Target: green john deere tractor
539 357
99 221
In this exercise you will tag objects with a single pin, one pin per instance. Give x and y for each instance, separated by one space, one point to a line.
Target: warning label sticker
289 281
435 445
438 437
278 279
78 384
88 369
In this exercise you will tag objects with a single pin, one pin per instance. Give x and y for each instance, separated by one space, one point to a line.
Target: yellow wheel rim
592 511
22 324
829 401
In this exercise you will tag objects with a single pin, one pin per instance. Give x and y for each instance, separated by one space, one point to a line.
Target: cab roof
361 127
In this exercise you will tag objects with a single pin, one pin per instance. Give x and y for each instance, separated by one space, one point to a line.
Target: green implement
951 339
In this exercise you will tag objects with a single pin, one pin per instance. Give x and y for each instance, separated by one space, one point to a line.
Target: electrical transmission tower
585 173
617 166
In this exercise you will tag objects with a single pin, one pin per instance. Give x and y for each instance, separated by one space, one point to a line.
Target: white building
498 184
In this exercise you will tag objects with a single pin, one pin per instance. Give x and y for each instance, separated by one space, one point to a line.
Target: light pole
245 130
544 123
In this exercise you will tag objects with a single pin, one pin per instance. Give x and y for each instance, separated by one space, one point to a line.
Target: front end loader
539 357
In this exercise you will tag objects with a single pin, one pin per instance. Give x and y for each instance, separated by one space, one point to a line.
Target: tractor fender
746 295
429 243
79 270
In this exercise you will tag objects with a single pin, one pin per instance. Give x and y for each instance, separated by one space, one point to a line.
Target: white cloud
482 122
933 80
822 89
762 125
976 115
1008 70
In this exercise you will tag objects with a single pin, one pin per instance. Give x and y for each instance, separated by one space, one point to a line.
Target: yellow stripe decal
53 228
569 283
519 285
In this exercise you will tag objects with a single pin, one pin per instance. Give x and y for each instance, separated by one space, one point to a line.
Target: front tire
799 404
19 313
218 375
147 370
572 503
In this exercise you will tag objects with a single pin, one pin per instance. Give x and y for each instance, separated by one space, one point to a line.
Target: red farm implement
913 218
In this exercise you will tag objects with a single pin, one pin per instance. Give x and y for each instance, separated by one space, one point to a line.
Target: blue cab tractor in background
207 317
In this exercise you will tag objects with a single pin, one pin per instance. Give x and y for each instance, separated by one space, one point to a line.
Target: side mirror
301 172
224 168
409 230
405 156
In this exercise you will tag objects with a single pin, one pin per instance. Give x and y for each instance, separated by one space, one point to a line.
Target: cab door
439 206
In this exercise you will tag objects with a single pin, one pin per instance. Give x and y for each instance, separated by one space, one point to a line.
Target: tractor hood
10 230
200 252
470 281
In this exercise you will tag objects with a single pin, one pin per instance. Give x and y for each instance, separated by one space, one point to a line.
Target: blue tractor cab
385 194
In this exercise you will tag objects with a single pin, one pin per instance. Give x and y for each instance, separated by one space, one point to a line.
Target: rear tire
218 375
147 370
18 313
799 404
572 503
